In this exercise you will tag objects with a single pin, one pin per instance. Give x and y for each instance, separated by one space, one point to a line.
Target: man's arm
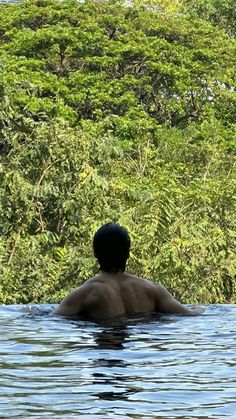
166 303
72 304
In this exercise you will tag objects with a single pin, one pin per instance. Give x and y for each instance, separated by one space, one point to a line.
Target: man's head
111 246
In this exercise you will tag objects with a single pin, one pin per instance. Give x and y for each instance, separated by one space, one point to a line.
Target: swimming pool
156 367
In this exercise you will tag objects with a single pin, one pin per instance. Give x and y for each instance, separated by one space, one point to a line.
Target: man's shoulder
144 282
94 281
83 288
94 284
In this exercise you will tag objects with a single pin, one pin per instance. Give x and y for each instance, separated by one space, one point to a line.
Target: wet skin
108 295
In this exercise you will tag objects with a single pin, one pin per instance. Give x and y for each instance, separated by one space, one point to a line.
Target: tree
110 112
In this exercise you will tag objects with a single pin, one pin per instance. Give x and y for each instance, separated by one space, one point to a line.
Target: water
157 367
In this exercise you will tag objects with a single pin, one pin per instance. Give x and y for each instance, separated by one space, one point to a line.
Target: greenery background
117 113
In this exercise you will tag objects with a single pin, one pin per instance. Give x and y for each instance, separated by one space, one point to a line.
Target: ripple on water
159 367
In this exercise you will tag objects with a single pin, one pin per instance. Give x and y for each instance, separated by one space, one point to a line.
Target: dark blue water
156 367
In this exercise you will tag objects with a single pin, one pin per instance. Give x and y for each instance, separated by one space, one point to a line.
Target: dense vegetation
111 112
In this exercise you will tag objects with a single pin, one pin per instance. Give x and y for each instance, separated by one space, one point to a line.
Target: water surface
156 367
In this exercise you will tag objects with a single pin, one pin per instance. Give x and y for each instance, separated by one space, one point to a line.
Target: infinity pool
154 367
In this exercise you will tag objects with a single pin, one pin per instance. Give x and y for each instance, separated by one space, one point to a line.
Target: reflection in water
111 338
179 366
105 371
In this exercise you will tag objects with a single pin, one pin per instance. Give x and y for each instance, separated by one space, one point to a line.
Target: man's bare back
113 294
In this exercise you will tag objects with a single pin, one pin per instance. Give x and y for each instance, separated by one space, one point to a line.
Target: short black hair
111 246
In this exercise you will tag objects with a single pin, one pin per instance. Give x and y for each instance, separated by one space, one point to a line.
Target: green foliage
219 12
161 6
110 112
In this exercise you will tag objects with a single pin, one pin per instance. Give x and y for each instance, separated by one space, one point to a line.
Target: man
115 292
